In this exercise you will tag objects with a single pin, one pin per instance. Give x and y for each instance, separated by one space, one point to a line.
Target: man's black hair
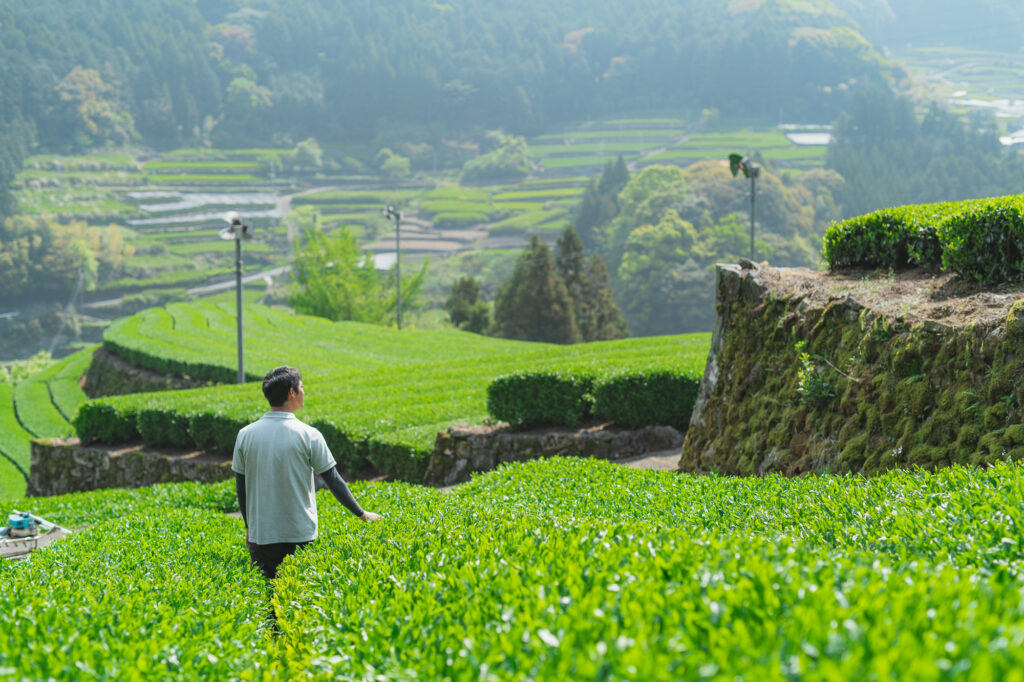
278 382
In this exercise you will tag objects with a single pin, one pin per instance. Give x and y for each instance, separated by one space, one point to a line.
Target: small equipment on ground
25 532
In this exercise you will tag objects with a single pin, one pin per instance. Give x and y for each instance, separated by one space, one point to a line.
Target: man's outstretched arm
336 484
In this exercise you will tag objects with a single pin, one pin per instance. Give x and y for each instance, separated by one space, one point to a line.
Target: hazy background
488 123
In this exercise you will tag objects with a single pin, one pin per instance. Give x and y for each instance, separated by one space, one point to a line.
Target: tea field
41 406
550 570
379 395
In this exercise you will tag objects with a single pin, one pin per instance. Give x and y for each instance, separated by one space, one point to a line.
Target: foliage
657 277
14 447
531 398
597 314
41 258
39 405
816 385
599 204
466 310
674 224
618 573
94 108
625 574
332 278
980 239
890 157
392 165
154 604
659 397
18 370
510 160
534 304
632 398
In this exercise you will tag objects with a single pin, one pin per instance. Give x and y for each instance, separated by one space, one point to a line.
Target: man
274 461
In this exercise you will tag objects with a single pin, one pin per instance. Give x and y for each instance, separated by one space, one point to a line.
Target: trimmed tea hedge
631 399
534 398
980 239
657 397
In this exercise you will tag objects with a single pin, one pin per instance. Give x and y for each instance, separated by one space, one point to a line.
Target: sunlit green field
551 570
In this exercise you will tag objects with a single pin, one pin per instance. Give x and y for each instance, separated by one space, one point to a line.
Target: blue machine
20 525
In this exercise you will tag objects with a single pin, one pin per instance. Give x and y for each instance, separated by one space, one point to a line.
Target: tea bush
979 239
551 569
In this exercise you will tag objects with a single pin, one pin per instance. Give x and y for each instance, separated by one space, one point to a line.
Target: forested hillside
228 72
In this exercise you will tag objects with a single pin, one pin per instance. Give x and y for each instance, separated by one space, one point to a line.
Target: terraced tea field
379 395
551 570
41 406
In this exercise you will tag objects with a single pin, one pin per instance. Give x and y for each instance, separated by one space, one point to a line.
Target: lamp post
237 231
392 213
750 170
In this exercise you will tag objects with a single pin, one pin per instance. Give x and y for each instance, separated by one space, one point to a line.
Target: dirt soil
913 295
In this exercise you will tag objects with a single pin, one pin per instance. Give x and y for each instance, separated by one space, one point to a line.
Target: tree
332 278
655 264
600 202
466 310
602 320
511 159
94 108
308 153
533 305
391 165
597 315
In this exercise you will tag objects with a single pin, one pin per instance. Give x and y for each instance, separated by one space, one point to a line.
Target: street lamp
392 213
237 231
750 170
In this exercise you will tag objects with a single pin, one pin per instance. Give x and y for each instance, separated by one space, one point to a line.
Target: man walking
274 461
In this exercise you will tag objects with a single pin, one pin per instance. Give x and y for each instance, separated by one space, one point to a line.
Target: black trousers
268 557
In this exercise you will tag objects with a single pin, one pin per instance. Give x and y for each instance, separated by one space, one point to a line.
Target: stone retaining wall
66 466
803 376
463 449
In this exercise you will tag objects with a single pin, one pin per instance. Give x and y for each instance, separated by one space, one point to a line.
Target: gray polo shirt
278 456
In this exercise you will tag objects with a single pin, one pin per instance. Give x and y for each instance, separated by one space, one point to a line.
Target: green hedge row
980 239
402 455
631 399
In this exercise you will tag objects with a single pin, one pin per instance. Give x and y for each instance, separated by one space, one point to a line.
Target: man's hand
369 516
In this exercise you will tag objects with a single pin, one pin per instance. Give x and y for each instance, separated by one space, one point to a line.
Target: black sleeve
240 491
336 484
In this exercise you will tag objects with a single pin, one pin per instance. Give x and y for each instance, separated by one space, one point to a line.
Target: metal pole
752 192
398 263
238 302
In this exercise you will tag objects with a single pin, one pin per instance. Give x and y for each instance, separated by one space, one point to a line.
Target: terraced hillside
379 395
41 406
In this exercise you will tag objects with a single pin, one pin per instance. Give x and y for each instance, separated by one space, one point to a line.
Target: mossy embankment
909 375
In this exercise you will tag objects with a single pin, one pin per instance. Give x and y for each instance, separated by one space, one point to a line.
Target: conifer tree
597 315
533 305
599 204
603 316
465 308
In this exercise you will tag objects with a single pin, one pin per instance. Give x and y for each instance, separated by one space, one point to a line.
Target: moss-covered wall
906 394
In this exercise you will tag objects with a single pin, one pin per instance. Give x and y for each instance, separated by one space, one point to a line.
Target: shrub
986 242
637 399
980 239
100 420
534 398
